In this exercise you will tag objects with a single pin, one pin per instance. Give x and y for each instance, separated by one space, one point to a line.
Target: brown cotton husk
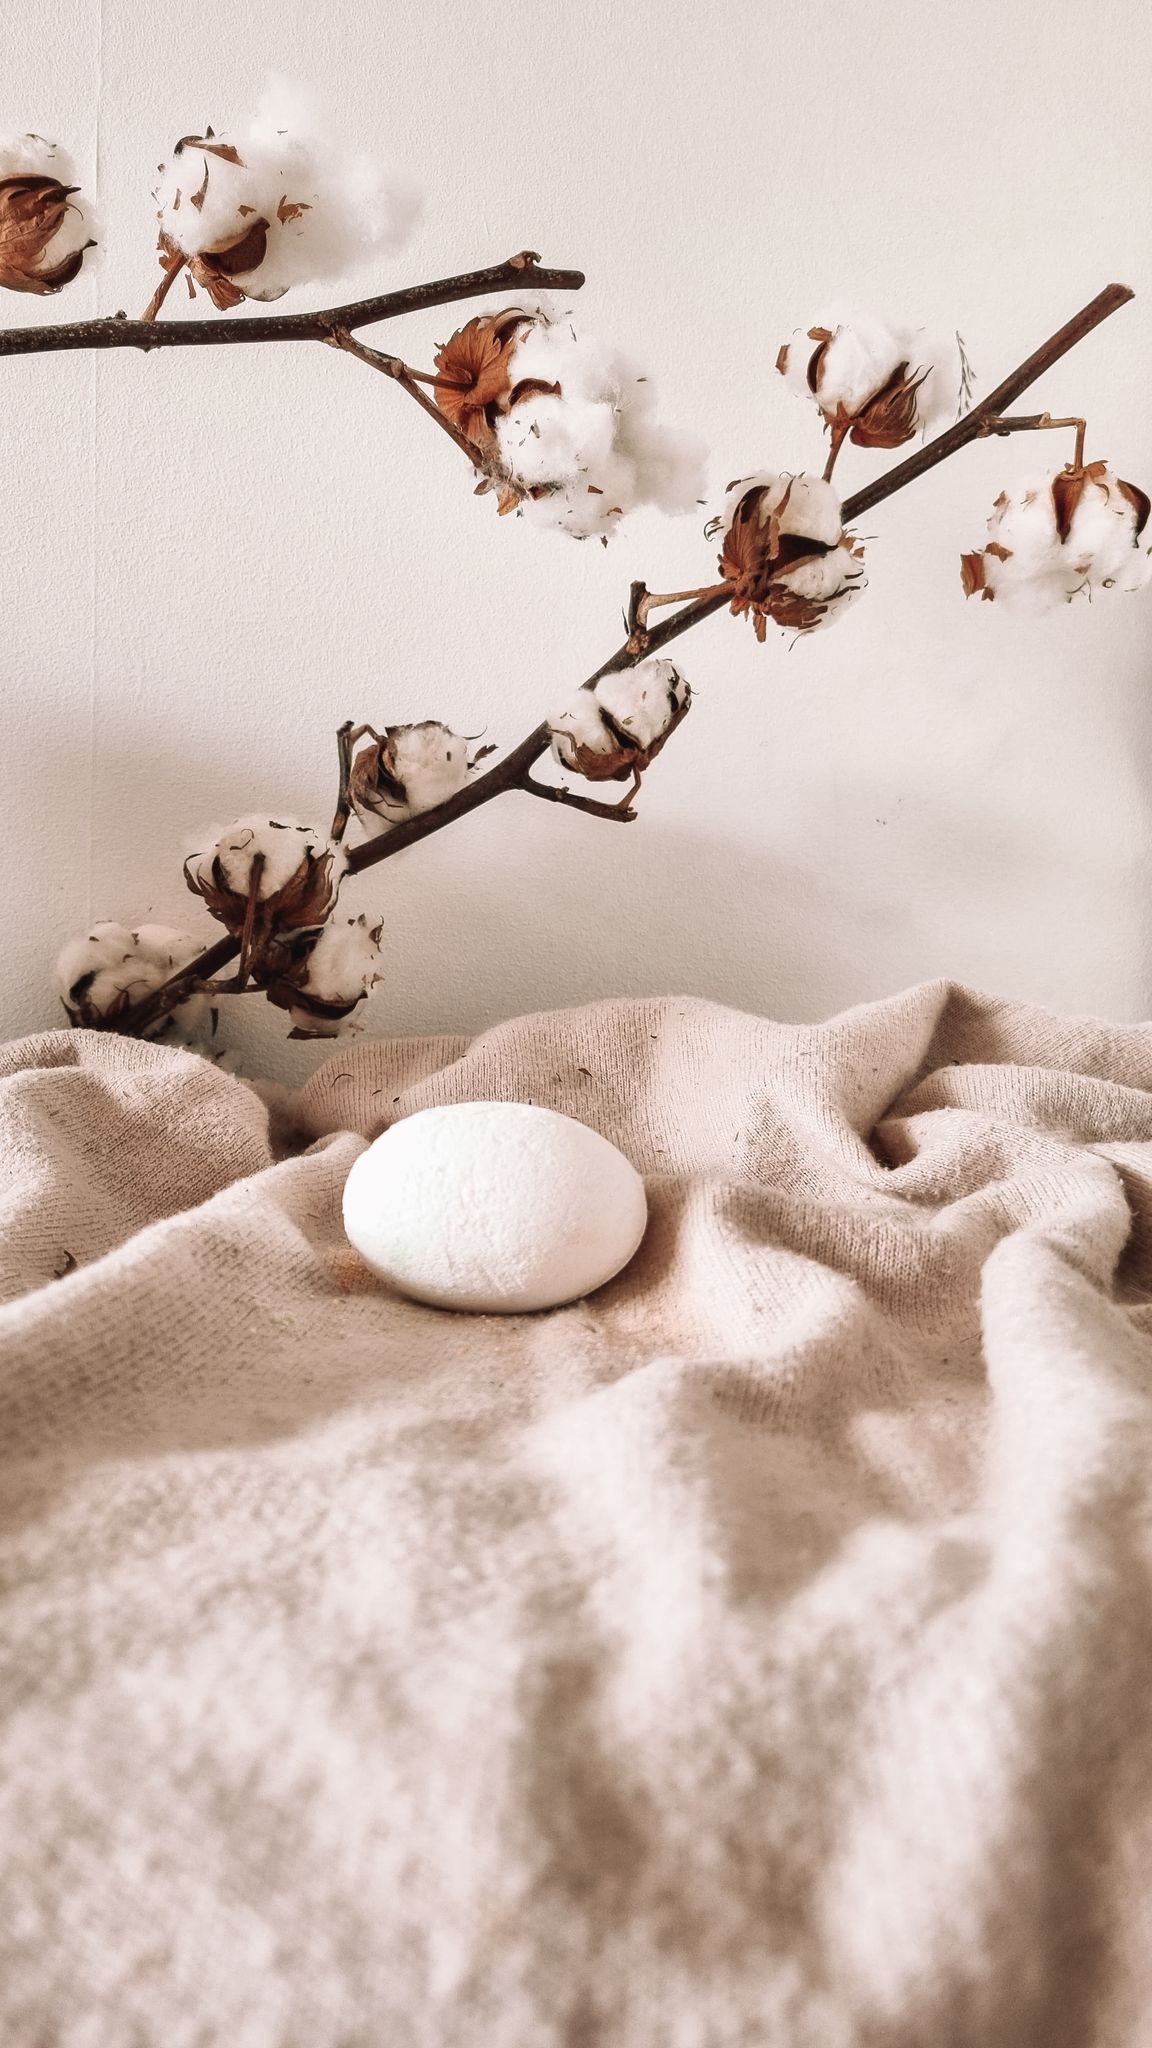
972 575
756 558
215 269
32 210
373 783
891 418
475 387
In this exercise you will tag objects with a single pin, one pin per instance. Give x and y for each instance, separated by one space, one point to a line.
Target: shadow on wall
795 937
520 908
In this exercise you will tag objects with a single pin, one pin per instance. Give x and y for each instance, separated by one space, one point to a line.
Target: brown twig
172 269
116 331
394 367
1039 423
622 812
642 601
512 771
255 876
839 434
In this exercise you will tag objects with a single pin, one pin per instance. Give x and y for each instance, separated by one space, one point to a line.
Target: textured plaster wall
210 559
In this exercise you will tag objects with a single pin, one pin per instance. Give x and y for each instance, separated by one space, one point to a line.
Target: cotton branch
513 772
978 422
508 774
117 331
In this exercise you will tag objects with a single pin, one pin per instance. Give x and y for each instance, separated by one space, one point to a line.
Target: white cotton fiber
834 580
593 451
342 967
345 960
578 723
643 700
1026 565
284 843
804 505
1102 544
858 361
327 212
432 763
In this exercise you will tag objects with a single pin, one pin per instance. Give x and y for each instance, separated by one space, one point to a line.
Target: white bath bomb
497 1207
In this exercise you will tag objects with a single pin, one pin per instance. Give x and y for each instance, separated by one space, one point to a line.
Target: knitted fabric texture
755 1655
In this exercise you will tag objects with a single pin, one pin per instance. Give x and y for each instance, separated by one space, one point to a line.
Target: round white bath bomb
496 1207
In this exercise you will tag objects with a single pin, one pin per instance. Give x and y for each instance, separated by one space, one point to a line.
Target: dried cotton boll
322 990
613 732
44 228
583 441
824 585
267 879
406 770
275 203
874 381
785 552
100 976
1107 521
563 424
1055 538
804 506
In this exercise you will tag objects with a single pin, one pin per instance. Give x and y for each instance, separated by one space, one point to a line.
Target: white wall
212 558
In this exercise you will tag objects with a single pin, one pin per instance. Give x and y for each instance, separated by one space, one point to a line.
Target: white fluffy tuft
352 208
431 761
863 353
1037 571
594 451
642 701
113 964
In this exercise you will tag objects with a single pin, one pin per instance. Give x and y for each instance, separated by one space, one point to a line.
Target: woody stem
575 802
255 877
1039 423
839 435
392 366
518 273
652 597
172 269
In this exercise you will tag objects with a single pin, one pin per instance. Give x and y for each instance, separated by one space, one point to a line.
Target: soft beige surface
756 1654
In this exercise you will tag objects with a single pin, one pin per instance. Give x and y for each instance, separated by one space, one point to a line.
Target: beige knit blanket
757 1655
